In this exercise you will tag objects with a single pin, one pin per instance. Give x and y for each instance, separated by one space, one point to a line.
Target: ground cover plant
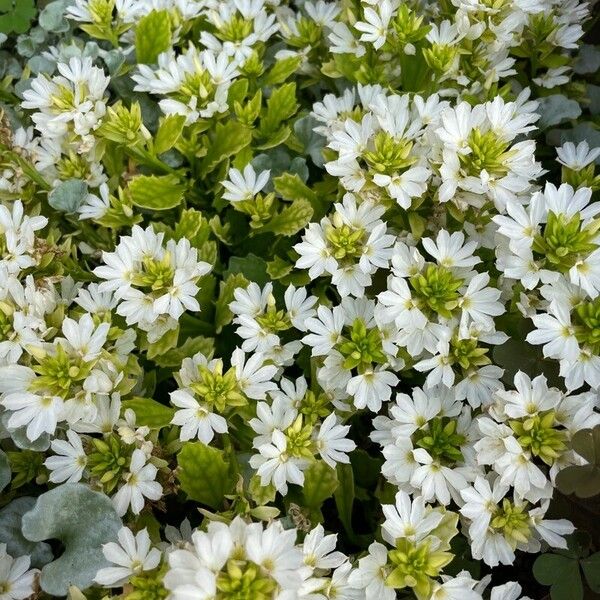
299 300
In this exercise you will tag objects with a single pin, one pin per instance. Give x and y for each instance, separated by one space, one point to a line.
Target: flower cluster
298 301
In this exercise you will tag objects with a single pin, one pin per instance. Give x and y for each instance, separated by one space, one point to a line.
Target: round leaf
68 195
83 520
11 535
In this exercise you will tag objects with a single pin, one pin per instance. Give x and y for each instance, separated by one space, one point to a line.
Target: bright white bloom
16 579
70 459
139 484
132 555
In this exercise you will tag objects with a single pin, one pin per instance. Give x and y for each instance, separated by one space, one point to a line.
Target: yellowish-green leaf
291 219
290 187
169 131
152 36
223 316
204 474
149 412
154 192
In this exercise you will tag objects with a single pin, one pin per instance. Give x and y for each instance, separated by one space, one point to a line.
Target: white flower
408 519
132 555
374 30
38 412
16 579
371 574
246 185
195 419
577 157
275 465
71 460
319 550
253 375
332 443
139 484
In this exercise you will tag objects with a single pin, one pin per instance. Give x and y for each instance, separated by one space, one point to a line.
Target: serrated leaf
252 267
282 69
229 138
68 195
280 106
320 482
169 131
152 36
224 316
164 344
291 219
290 187
191 346
193 226
83 520
278 268
149 412
204 474
154 192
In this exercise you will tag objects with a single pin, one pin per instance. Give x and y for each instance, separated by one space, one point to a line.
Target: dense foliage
299 300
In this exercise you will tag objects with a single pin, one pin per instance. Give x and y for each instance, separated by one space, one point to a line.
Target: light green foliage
223 316
152 36
204 473
153 192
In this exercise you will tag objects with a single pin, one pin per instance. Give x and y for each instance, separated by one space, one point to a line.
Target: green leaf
193 226
290 187
149 412
169 131
562 574
251 266
223 316
583 481
281 70
152 36
320 482
16 15
344 495
204 474
154 192
280 106
591 570
83 520
291 219
11 517
164 344
586 443
68 195
229 139
191 346
278 268
5 472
